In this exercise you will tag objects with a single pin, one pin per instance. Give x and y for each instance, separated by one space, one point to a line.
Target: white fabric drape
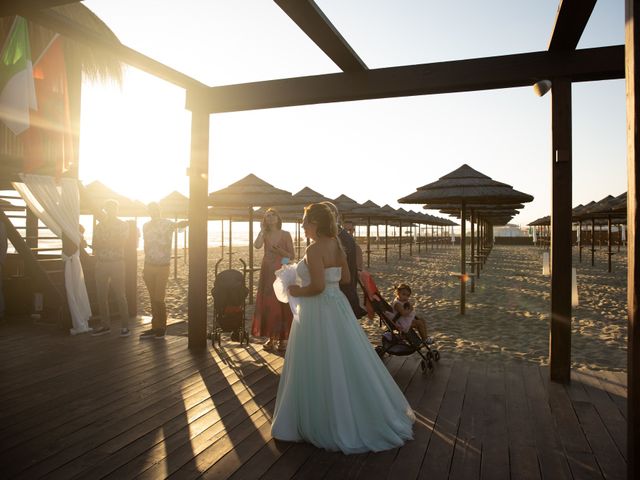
57 205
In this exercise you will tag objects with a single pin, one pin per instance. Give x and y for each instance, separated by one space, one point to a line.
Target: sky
135 137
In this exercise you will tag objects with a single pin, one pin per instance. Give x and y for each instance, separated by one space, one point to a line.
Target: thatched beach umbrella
466 186
606 208
368 210
176 206
293 213
96 193
346 205
248 193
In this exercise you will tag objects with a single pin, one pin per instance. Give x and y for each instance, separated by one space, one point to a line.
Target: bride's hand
294 290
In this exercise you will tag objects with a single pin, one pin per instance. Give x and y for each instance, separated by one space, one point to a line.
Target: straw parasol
368 210
96 193
175 204
250 192
466 186
345 205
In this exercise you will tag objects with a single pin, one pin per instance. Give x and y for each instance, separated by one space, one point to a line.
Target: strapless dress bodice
332 275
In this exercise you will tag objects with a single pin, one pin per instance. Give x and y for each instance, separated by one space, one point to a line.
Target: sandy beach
507 316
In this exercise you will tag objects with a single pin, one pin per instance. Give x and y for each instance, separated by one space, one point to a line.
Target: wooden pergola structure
562 64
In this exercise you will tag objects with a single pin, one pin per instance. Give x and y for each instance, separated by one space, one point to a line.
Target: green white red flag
17 91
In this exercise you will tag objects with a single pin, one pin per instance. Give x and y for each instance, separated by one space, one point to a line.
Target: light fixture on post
540 88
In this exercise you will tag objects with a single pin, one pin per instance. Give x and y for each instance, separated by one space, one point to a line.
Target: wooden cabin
33 277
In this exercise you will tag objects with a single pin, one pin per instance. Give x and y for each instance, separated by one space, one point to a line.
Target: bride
334 391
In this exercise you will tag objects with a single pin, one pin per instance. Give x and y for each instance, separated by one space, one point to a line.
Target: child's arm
399 307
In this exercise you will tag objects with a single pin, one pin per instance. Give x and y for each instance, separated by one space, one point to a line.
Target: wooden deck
110 407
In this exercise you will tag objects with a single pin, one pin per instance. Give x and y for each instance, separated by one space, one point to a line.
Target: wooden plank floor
110 407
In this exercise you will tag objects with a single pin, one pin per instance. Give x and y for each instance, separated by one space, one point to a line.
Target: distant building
511 230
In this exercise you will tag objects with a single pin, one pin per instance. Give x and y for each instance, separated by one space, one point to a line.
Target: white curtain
57 205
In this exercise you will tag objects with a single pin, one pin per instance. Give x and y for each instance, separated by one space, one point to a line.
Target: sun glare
135 140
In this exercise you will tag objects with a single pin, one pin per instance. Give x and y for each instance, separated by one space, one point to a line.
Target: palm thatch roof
96 64
175 205
96 193
466 185
251 191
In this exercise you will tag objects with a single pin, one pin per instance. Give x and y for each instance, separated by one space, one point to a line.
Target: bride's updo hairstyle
322 216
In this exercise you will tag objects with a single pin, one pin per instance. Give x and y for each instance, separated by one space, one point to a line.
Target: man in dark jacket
350 290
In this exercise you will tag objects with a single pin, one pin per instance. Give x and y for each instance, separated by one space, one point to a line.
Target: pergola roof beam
68 27
308 16
444 77
571 20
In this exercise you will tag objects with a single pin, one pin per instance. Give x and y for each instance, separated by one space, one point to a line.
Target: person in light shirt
158 234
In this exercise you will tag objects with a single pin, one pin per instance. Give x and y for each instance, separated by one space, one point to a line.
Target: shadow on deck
96 407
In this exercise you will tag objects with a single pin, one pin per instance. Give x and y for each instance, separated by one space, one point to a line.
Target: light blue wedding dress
334 391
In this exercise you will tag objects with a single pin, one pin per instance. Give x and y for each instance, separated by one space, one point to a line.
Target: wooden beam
72 29
445 77
311 20
571 19
198 215
632 43
560 328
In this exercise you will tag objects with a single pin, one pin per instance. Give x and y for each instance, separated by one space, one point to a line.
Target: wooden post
198 200
463 246
609 241
386 240
632 33
580 241
31 230
473 281
250 256
368 242
131 269
175 252
400 241
560 329
411 238
221 238
593 241
230 242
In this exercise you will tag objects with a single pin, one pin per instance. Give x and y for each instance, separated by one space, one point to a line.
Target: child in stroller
395 341
229 302
406 318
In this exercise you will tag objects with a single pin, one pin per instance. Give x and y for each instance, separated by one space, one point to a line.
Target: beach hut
45 144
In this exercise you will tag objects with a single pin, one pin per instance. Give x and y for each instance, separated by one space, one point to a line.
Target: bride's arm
316 272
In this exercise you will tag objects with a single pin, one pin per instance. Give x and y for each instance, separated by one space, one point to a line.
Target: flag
48 144
17 92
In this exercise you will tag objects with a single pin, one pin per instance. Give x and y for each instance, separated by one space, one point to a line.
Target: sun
135 139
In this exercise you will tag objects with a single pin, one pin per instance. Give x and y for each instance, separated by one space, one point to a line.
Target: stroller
229 302
395 342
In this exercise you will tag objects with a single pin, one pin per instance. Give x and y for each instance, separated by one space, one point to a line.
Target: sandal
269 346
282 347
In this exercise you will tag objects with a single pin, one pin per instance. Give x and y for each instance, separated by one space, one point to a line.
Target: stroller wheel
436 355
430 365
380 351
423 365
